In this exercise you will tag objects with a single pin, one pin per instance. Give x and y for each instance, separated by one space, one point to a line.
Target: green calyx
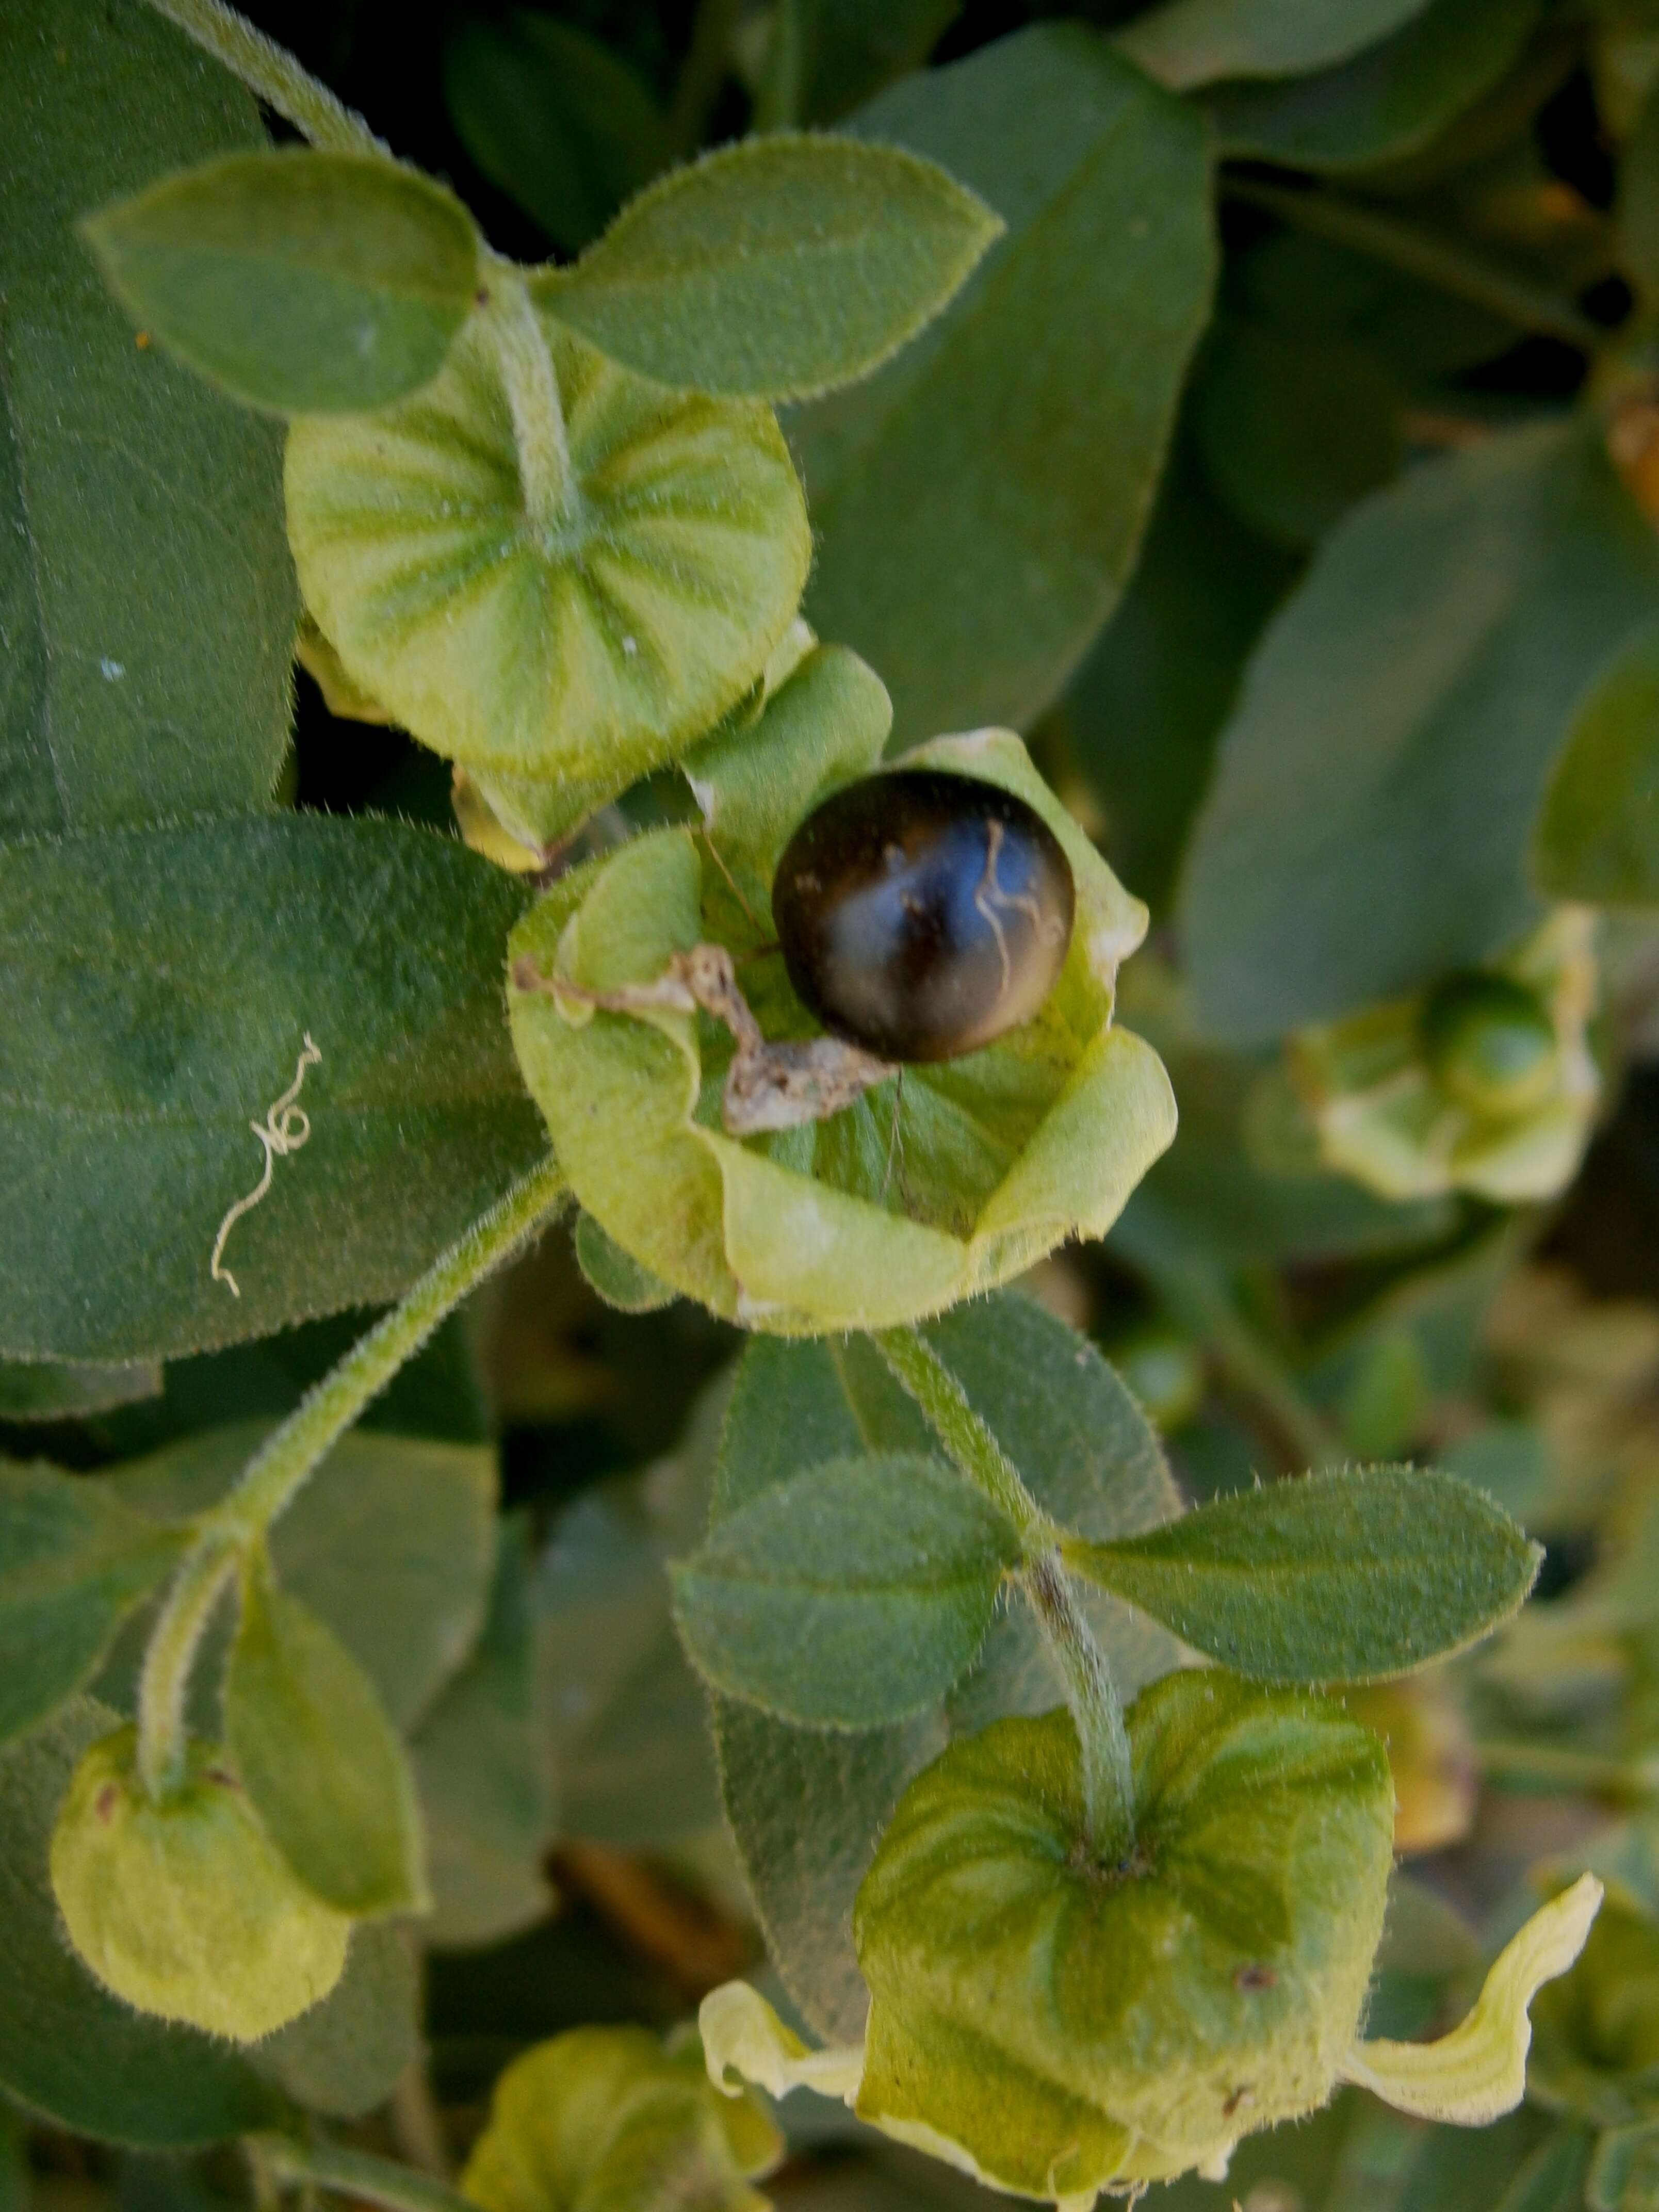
898 1205
1491 1041
545 567
1060 2025
1486 1083
604 2119
184 1906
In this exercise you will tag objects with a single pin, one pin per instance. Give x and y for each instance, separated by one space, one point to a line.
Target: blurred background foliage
1435 243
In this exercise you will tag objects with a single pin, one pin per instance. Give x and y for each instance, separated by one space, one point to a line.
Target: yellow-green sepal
893 1208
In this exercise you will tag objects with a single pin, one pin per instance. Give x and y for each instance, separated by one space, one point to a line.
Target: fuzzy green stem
1108 1783
168 1658
546 475
280 1468
1555 1767
1441 261
1109 1793
271 74
919 1371
356 2173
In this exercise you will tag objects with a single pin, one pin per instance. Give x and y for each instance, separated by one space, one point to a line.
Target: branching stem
533 390
272 75
1097 1712
1448 266
280 1468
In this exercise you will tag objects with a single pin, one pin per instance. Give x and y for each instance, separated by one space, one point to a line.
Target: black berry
922 913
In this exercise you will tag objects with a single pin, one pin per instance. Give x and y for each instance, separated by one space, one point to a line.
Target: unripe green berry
1491 1042
183 1905
1066 2024
1595 2031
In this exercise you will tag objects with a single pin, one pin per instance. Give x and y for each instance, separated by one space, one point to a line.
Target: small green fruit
1165 1370
1065 2025
184 1907
1491 1041
1595 2031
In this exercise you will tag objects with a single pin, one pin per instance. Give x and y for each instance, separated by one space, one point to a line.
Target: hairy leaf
1342 1576
776 269
979 502
1389 100
482 1768
69 2050
160 986
316 1750
59 1390
345 2055
557 121
850 1596
302 282
391 1545
1367 827
1184 43
73 1561
146 595
1597 839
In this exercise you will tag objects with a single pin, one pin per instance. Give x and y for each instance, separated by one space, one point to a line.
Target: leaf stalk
288 1457
546 475
271 75
354 2173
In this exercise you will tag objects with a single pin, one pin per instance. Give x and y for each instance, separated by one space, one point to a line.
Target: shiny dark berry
921 914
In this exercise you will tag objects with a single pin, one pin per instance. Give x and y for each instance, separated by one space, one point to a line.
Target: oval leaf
849 1596
1186 42
302 282
979 502
1598 837
777 269
160 985
1367 828
73 1561
153 683
594 651
1335 1577
317 1754
344 2055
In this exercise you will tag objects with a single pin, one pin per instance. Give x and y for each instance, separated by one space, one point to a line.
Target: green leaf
1597 839
59 1390
1335 1577
74 1562
806 1807
619 1280
161 985
482 1768
345 2056
301 282
316 1750
824 57
390 1544
1366 830
979 503
850 1596
69 2050
1293 430
1085 1450
553 118
1143 710
776 269
1389 100
588 653
155 684
1183 43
